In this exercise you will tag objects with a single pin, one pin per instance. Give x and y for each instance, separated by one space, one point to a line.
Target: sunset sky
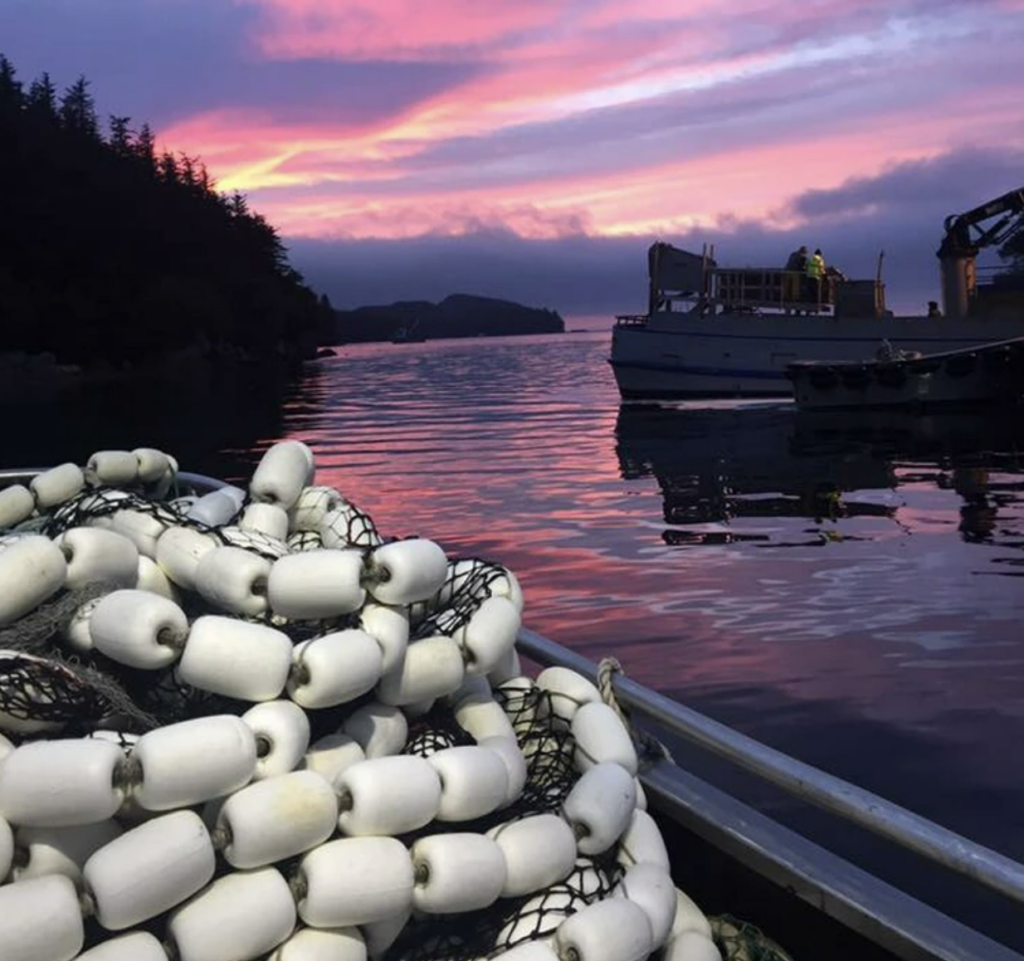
534 148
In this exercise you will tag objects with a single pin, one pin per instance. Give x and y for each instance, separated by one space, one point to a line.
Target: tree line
111 249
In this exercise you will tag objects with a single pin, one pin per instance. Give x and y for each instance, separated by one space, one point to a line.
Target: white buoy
57 485
389 627
32 569
234 580
313 505
40 920
456 873
507 748
650 887
387 796
149 869
141 528
539 851
331 754
355 881
219 507
334 669
600 807
277 818
691 946
316 584
149 576
137 946
379 729
6 848
60 783
282 736
689 918
602 737
380 935
178 553
311 944
266 519
530 951
6 746
97 555
236 658
489 634
608 930
138 629
567 691
431 668
241 915
16 505
404 572
643 843
482 717
152 464
506 668
60 850
474 782
193 761
538 918
283 471
112 468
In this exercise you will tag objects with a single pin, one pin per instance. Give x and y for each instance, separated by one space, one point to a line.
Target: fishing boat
991 375
717 331
728 855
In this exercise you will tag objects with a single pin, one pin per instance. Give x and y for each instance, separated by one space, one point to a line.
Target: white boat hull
682 355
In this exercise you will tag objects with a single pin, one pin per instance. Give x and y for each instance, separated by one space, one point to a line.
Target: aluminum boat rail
889 917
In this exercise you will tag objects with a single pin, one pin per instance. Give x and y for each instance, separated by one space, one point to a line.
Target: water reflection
719 465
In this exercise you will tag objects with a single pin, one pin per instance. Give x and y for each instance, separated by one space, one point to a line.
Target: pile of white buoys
243 725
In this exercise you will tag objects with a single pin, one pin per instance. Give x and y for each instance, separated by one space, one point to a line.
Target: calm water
847 589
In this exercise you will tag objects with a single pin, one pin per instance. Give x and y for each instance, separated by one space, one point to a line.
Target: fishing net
53 686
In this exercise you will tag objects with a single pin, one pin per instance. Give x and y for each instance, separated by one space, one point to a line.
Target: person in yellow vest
815 273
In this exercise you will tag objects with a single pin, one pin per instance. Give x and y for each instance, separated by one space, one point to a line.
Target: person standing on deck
796 267
815 273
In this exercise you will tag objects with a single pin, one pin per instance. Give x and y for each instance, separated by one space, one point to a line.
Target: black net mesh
740 941
348 526
466 587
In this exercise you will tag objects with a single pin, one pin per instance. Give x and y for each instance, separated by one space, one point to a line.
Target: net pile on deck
246 725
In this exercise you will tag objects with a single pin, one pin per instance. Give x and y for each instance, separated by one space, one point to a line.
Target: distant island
459 315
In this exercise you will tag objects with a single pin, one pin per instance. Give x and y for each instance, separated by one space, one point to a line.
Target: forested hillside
113 251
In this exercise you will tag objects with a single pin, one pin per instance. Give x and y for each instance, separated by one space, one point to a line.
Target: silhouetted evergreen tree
111 251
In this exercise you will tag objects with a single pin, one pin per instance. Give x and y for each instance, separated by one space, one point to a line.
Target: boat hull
683 355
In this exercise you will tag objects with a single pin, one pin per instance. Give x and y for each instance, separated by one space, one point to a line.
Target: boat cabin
696 281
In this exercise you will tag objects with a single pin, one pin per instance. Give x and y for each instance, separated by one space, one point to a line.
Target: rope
648 745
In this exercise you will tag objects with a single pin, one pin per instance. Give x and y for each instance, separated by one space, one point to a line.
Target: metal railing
903 827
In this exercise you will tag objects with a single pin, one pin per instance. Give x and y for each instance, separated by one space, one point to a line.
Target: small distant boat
992 374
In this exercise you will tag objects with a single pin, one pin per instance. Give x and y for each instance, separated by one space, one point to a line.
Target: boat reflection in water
719 465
